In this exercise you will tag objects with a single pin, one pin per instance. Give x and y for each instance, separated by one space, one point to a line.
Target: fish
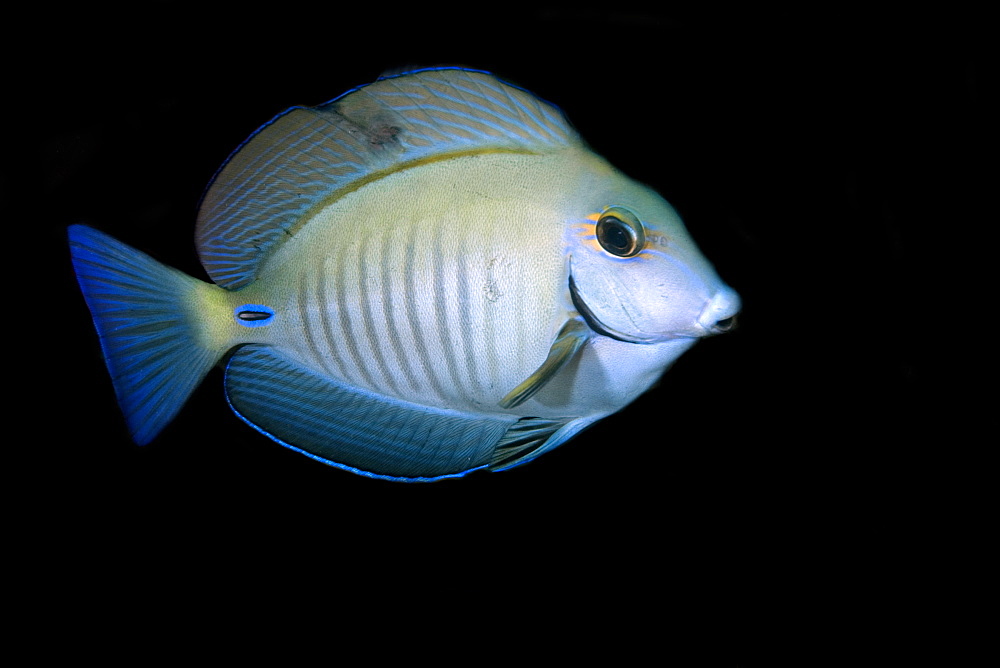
429 275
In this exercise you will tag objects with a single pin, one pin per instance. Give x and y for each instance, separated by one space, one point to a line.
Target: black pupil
615 236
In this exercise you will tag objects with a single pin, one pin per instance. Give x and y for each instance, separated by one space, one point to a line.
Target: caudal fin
146 317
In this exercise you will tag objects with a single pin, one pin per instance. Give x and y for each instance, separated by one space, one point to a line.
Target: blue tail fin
147 318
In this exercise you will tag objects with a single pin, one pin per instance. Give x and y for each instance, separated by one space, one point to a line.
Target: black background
823 161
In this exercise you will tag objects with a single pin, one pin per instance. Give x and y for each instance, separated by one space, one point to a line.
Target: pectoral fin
571 337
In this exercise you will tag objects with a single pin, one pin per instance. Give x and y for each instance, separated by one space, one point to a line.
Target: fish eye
619 232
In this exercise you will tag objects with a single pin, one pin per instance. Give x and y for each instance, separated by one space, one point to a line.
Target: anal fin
353 429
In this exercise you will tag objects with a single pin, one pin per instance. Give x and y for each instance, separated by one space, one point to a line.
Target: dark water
822 165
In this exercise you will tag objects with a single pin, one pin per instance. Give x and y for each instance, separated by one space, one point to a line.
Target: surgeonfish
426 276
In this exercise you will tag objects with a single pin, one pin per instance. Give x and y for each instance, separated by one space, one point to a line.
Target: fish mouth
595 323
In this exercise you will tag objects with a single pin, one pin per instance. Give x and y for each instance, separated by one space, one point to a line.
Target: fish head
636 274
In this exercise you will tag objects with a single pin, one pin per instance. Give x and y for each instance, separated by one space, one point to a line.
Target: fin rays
359 431
304 156
570 339
148 339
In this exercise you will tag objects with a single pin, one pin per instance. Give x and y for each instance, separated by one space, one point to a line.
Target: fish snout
719 314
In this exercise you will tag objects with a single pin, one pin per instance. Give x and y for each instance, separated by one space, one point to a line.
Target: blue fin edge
344 467
287 111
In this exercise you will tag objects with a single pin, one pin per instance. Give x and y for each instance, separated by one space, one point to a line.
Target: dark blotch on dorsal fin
306 158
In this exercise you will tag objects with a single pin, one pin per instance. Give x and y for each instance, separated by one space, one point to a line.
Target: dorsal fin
307 157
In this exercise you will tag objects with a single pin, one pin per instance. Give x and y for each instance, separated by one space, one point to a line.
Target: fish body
427 276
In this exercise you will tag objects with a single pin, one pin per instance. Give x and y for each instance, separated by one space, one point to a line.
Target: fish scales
427 276
465 274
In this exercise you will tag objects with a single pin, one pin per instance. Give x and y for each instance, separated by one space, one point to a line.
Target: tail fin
146 317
